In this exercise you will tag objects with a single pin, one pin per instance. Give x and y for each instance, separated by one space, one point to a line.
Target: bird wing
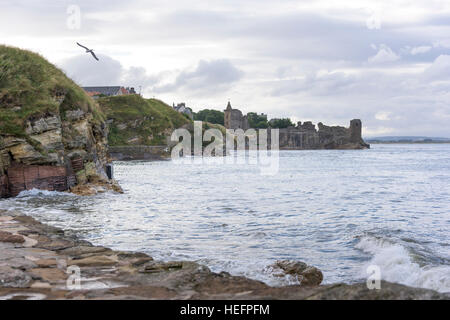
93 54
82 46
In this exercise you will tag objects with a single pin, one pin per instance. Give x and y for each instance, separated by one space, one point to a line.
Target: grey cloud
414 102
266 39
138 77
439 70
207 76
86 71
317 84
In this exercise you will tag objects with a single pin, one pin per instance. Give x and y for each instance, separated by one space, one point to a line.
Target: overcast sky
387 63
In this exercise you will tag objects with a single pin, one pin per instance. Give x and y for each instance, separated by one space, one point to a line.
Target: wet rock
135 259
48 274
40 285
140 261
46 263
155 267
84 189
388 291
53 244
11 238
307 275
311 277
93 261
79 251
93 188
131 255
14 278
19 262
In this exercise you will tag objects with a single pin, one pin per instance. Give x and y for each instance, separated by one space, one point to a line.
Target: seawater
340 211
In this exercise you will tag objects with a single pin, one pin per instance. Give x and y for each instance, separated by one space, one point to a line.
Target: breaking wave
45 193
397 264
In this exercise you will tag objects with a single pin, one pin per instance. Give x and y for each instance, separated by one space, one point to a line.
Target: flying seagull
91 51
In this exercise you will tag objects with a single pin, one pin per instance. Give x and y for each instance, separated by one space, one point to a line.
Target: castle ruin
305 136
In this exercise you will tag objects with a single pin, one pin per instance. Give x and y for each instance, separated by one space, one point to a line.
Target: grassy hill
134 120
30 87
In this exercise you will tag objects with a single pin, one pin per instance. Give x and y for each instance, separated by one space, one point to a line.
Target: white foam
40 193
397 265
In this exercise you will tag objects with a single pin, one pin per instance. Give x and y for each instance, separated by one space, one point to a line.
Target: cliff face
52 135
305 136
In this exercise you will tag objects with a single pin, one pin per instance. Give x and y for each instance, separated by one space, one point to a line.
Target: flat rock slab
93 261
46 263
11 238
84 250
49 274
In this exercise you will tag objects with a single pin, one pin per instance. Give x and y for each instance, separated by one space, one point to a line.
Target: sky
385 62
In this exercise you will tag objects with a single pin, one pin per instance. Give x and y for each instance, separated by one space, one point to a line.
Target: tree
257 121
210 115
280 123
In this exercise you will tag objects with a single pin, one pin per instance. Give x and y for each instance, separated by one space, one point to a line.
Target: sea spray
397 265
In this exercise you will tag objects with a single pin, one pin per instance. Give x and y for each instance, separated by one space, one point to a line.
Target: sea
345 212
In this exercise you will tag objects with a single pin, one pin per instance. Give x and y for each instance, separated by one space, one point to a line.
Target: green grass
156 116
29 86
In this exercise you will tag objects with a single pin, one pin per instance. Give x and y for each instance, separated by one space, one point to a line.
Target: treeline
210 115
257 121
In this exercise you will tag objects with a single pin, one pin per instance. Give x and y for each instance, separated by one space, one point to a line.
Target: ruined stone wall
306 137
294 139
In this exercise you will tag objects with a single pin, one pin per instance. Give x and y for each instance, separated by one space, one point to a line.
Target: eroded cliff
52 135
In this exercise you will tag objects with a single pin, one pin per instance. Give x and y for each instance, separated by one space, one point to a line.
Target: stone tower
227 112
233 118
356 131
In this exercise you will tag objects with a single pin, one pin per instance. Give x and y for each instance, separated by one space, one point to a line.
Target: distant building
181 108
109 91
234 119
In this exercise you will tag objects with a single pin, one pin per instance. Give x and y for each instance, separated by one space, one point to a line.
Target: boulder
307 275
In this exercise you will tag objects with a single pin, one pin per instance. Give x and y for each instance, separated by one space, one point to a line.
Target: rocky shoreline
39 262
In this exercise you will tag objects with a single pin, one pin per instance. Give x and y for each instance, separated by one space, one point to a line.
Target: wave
397 265
45 193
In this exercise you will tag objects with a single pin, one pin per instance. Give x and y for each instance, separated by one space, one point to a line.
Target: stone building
181 108
234 119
